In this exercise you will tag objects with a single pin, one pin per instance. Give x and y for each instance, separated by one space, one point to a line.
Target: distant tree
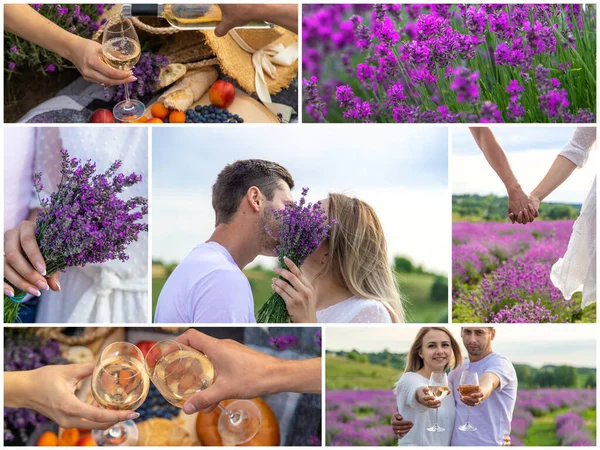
403 265
590 381
544 378
565 376
353 355
523 375
439 289
559 212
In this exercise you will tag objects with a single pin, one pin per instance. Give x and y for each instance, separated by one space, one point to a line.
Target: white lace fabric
355 310
115 291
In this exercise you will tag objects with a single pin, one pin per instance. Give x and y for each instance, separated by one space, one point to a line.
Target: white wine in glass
469 384
119 382
438 385
179 372
121 50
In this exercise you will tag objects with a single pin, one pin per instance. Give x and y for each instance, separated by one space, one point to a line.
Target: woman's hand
298 294
520 208
426 398
87 57
50 390
25 272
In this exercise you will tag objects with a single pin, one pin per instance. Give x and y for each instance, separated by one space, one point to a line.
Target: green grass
343 373
415 288
590 420
542 432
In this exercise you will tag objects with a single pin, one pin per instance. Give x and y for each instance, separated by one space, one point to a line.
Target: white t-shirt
493 416
207 287
421 416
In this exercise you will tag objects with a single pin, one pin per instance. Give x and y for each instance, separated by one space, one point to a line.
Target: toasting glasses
179 372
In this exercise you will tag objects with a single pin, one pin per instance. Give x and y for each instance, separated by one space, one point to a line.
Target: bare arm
560 170
285 16
27 23
495 156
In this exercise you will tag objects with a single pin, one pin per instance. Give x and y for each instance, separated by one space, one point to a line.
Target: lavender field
565 417
501 273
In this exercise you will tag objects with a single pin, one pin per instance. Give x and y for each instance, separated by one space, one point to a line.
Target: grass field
343 373
415 288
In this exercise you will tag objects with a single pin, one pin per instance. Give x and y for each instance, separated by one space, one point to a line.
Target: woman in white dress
349 278
576 270
112 292
433 350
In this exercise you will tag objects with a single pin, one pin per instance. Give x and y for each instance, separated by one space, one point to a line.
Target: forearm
25 22
17 389
561 169
285 16
495 156
302 376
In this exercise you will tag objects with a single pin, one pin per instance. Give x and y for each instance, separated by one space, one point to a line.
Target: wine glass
469 384
179 372
121 50
119 382
438 385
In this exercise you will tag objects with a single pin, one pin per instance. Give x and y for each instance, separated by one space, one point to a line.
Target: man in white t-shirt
208 286
492 405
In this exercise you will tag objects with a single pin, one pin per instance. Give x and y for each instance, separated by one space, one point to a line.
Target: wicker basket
89 335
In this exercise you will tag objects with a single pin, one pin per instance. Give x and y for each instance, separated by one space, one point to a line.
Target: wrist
72 47
513 187
19 389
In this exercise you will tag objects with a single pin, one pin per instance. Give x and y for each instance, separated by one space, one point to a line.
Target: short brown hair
235 179
414 362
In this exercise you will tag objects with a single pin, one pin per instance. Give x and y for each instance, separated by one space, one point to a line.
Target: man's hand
400 426
520 208
474 399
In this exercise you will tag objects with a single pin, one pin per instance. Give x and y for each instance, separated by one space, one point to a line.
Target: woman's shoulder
370 311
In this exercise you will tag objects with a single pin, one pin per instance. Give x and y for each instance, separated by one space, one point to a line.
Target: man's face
476 340
282 196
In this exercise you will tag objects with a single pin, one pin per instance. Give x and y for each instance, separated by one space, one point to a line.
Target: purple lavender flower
284 342
12 65
14 49
50 68
315 106
302 229
465 85
147 71
85 221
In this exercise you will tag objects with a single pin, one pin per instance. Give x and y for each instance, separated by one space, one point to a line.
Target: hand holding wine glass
469 384
179 372
121 50
438 386
119 382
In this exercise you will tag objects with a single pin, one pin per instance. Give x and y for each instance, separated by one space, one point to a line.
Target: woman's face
314 263
436 350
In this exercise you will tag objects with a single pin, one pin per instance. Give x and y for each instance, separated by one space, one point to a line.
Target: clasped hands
522 208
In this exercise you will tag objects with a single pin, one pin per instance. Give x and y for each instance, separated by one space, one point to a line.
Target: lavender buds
84 221
302 228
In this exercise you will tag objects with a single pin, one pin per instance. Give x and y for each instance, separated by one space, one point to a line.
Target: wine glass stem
436 416
127 92
116 431
468 411
234 418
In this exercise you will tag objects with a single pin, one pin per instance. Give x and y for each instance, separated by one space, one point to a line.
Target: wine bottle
184 16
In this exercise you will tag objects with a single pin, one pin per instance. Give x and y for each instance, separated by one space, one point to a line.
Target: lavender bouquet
302 228
84 221
147 71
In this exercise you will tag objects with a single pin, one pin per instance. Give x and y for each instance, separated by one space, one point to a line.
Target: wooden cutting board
249 109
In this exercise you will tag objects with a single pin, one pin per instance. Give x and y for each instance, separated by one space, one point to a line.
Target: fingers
285 290
96 76
80 371
53 281
533 211
195 339
205 400
18 281
97 417
22 270
8 290
30 246
223 28
512 218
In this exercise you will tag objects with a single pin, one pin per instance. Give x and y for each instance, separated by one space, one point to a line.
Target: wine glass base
467 427
128 435
436 429
129 111
244 428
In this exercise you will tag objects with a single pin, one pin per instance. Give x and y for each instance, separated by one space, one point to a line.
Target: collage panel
76 225
224 222
449 63
158 386
517 385
524 225
151 63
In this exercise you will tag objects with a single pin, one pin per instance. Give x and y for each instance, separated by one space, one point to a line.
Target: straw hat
189 47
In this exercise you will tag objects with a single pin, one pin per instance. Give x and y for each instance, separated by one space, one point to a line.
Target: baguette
189 89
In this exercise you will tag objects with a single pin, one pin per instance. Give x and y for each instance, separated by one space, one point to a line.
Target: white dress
421 416
355 310
576 270
115 291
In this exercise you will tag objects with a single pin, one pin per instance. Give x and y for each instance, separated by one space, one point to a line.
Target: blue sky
534 344
530 152
401 173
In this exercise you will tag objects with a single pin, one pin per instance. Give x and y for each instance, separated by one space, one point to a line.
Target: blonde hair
414 362
358 257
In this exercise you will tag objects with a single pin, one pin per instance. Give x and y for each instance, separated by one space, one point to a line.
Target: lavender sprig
302 228
85 221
